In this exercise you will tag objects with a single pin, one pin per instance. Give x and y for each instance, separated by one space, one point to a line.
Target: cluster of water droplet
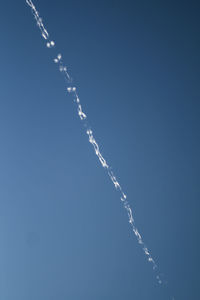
71 89
58 58
50 44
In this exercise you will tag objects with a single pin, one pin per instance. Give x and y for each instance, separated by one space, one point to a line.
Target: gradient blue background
63 231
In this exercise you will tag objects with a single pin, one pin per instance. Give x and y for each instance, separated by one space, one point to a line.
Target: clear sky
63 231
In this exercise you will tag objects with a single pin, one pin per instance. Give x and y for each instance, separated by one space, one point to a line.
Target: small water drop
44 35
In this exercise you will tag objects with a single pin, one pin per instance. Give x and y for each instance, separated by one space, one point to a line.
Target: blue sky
64 233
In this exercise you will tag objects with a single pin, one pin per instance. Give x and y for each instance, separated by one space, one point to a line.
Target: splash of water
83 117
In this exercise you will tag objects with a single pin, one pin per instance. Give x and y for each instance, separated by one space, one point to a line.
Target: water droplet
44 35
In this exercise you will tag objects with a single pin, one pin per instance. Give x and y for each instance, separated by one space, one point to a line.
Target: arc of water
83 117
